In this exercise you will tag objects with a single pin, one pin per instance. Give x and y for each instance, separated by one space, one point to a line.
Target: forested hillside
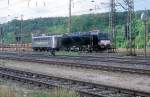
82 23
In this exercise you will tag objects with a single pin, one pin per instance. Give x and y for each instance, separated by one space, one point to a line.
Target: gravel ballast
123 80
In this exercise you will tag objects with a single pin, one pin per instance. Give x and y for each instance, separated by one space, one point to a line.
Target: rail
95 90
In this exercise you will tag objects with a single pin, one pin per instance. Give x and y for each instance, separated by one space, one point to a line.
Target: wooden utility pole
21 31
144 18
2 37
145 39
19 36
8 2
69 19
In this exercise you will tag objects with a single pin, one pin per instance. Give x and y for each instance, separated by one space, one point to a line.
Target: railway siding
75 62
121 80
95 90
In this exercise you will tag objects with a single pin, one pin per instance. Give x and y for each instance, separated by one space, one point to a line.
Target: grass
8 92
67 53
2 62
54 93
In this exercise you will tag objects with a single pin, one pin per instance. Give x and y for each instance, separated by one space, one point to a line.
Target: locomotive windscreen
103 36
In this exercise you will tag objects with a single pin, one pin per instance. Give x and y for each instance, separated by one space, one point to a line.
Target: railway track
104 64
95 55
103 58
91 89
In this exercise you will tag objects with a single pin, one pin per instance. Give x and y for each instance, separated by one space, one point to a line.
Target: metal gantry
129 26
112 21
130 4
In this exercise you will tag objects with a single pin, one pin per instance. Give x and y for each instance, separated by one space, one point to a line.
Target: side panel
56 42
40 42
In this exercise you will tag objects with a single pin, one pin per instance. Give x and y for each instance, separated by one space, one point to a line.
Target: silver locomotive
46 42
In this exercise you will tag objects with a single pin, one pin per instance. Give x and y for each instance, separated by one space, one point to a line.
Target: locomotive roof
45 36
72 34
84 33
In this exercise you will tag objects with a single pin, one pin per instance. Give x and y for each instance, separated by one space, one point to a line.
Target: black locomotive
91 41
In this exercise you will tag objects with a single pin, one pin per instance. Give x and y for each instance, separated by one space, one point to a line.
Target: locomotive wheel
53 53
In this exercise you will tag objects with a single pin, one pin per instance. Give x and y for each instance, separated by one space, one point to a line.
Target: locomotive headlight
105 42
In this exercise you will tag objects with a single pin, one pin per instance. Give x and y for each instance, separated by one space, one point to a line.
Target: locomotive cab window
103 36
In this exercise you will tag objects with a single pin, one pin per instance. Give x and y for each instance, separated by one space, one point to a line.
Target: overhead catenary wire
55 10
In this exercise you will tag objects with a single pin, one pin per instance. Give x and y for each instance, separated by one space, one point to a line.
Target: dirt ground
124 80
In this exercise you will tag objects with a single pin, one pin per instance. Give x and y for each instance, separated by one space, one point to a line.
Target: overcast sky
50 8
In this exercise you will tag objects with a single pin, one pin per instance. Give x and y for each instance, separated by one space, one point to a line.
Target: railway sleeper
93 67
83 87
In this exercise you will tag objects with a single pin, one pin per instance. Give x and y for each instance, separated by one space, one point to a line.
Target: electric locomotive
46 42
91 41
